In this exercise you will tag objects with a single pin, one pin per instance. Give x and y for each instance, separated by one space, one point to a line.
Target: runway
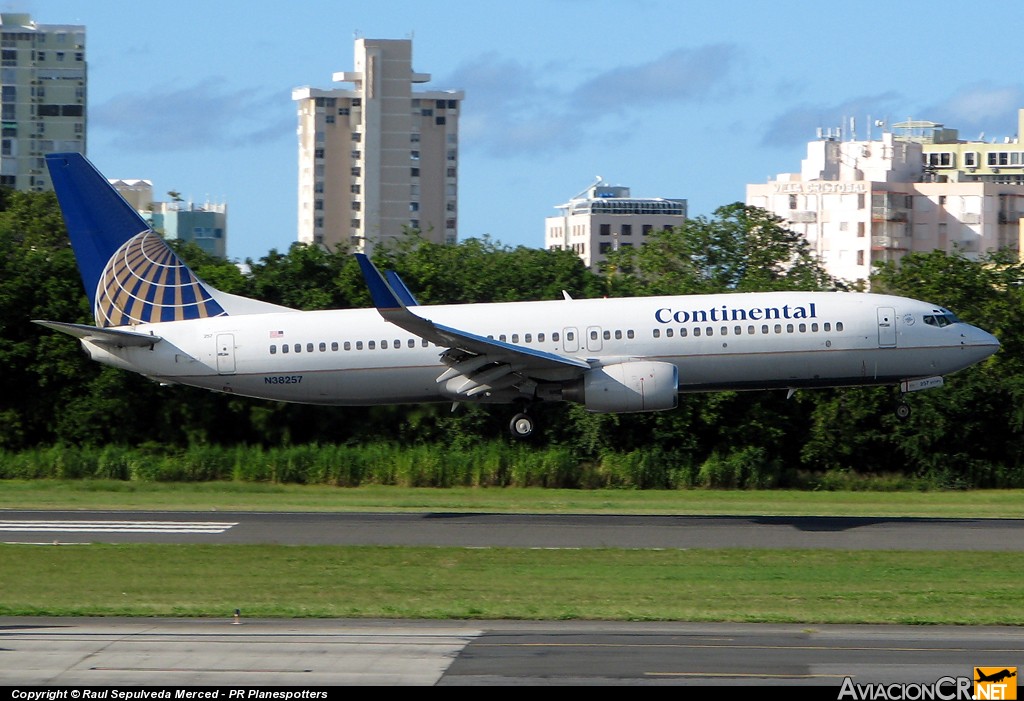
513 530
312 654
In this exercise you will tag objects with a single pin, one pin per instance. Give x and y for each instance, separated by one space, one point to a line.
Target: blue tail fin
130 274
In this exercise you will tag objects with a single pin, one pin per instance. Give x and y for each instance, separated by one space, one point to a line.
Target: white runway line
41 526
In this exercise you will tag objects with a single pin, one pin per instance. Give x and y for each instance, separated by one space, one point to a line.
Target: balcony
880 214
888 243
803 217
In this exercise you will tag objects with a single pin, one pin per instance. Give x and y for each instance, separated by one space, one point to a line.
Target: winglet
400 289
384 297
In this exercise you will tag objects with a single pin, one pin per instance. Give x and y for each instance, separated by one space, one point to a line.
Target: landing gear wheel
902 411
521 426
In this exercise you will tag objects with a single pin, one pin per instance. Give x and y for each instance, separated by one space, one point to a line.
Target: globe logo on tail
144 282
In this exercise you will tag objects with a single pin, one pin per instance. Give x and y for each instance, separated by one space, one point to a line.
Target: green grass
257 496
795 586
459 583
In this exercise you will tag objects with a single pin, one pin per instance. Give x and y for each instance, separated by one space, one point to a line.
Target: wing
476 364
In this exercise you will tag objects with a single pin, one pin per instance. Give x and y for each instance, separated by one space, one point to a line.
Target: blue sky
671 98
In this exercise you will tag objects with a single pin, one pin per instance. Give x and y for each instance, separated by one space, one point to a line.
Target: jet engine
631 386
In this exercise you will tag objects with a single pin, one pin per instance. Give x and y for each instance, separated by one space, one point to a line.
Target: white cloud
200 116
510 109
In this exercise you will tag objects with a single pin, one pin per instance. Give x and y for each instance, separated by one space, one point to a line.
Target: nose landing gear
902 410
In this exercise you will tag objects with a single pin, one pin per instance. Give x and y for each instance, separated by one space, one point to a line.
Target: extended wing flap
102 336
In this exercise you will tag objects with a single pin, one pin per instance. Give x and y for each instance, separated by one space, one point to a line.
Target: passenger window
839 326
709 331
828 326
764 328
323 347
273 350
630 334
284 347
398 344
750 330
359 345
607 335
724 330
737 330
696 331
682 333
657 333
515 338
384 345
668 333
334 345
618 335
789 328
502 338
309 347
554 337
528 338
814 327
570 336
411 343
298 347
778 328
371 345
540 338
348 345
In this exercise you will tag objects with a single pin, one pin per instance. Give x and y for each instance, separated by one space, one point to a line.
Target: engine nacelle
627 387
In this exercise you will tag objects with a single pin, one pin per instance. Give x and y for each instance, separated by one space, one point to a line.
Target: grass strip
781 586
257 496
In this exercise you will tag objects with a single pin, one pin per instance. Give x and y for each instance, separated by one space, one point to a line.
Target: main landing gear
522 426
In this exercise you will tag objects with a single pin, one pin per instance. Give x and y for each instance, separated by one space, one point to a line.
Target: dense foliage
969 433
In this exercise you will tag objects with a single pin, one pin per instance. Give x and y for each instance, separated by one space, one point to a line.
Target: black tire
521 426
902 411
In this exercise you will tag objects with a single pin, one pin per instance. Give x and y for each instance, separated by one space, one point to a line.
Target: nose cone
980 343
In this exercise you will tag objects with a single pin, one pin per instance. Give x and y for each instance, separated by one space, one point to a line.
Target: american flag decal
277 334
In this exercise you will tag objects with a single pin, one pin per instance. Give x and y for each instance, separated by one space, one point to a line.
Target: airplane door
593 338
226 353
570 340
886 326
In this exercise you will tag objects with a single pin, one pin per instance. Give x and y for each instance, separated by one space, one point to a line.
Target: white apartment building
379 157
606 218
42 97
917 188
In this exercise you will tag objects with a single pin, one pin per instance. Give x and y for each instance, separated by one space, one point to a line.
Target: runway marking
41 526
744 675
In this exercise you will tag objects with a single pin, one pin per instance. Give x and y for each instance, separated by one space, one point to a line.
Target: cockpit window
940 320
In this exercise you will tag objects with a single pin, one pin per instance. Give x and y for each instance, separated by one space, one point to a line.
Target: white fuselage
717 342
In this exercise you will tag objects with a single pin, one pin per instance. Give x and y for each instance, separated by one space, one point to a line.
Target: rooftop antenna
596 182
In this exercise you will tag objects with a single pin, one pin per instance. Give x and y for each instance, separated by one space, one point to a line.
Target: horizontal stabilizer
103 337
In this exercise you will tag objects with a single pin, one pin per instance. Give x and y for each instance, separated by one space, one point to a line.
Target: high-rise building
42 97
377 158
606 218
917 188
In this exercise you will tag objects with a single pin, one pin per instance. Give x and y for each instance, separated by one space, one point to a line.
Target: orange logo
995 683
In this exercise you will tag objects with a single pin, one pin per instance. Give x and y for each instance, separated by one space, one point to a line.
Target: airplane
996 677
153 316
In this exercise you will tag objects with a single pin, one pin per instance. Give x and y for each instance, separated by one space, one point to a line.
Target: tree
740 249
